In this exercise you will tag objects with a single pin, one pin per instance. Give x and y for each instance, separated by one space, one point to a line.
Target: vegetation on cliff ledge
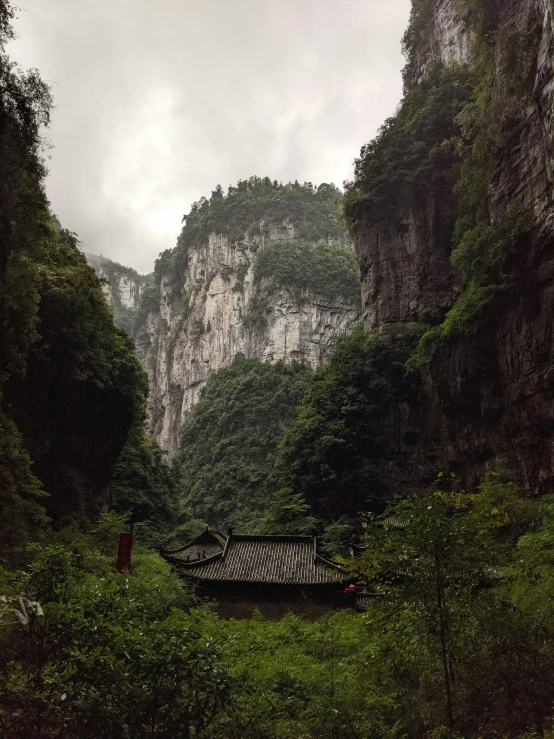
253 205
250 209
440 153
329 270
415 156
307 213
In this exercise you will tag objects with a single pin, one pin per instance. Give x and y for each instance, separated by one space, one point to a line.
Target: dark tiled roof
265 559
205 545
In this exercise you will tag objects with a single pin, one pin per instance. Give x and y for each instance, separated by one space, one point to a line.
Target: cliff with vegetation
71 385
451 208
452 212
122 286
263 270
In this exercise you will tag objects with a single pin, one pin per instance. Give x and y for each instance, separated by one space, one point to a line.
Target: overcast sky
158 101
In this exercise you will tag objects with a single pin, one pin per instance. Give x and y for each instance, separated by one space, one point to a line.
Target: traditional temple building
275 574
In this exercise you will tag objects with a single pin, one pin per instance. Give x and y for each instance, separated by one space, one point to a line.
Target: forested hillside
229 441
71 385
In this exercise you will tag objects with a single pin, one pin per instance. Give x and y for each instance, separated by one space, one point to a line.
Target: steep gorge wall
123 285
492 388
123 288
218 310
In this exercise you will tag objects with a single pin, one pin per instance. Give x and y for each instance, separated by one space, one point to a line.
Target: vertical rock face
219 310
123 286
406 267
493 389
446 39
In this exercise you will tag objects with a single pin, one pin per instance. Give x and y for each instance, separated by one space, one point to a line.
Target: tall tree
429 555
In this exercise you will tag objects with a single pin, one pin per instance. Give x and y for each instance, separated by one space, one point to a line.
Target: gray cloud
158 101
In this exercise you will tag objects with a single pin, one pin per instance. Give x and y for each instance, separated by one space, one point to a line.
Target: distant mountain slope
123 288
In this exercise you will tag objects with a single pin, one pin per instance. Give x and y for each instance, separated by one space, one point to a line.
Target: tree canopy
229 441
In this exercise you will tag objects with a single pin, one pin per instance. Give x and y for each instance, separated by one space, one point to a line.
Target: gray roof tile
204 545
264 559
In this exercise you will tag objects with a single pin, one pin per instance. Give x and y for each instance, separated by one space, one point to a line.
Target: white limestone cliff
123 285
217 312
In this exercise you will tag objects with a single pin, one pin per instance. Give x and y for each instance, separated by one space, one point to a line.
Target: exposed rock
123 286
493 391
447 40
406 267
218 312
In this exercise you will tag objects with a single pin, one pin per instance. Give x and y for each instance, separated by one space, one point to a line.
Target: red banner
124 551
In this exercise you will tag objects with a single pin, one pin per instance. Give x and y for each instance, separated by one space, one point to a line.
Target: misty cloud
159 101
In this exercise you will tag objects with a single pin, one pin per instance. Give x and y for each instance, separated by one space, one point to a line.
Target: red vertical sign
124 551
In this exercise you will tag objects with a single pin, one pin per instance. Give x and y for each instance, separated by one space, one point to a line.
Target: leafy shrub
115 654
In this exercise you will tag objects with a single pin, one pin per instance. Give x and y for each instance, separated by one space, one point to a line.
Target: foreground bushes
114 655
459 643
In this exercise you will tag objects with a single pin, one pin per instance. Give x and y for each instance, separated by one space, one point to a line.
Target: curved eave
194 563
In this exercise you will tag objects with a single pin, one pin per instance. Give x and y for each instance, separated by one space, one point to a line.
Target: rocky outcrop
123 288
217 311
405 267
492 396
123 285
447 39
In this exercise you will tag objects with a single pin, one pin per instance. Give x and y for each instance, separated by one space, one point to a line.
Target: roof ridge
273 537
286 559
330 563
196 562
163 549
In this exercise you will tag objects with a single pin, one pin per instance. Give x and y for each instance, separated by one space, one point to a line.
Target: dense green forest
458 644
229 441
457 641
71 385
328 455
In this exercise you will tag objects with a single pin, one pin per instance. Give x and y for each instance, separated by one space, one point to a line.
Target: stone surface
123 286
217 312
493 396
406 267
447 40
